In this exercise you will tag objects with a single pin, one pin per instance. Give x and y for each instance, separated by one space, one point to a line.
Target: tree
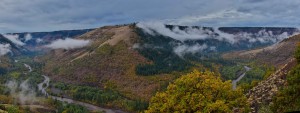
287 99
13 109
199 92
297 53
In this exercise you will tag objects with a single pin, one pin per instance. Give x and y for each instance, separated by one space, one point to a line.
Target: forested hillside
123 67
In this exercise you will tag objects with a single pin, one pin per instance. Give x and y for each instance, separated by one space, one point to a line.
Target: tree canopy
199 92
287 99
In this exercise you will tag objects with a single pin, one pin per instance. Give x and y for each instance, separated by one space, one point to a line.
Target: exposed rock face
265 90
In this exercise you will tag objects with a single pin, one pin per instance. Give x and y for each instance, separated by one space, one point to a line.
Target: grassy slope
108 66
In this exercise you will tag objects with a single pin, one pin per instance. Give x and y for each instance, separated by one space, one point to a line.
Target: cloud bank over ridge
190 33
68 43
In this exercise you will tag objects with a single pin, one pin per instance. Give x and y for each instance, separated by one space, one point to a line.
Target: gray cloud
183 49
68 43
28 37
182 35
4 49
34 15
39 40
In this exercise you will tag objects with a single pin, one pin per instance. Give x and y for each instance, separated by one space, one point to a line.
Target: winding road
234 82
90 107
29 68
45 84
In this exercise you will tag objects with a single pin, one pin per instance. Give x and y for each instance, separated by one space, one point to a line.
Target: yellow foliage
15 75
5 99
199 92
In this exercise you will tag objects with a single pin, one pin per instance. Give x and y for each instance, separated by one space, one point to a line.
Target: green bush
287 99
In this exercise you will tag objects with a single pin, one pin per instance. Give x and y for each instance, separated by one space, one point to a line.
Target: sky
51 15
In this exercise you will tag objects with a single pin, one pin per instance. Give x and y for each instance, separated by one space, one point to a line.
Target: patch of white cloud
263 36
28 37
183 49
68 43
225 36
4 49
177 34
39 40
213 48
14 38
190 33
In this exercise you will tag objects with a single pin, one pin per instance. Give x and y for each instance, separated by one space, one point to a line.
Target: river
45 84
234 82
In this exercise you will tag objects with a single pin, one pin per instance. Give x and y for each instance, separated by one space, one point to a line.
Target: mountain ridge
100 46
135 63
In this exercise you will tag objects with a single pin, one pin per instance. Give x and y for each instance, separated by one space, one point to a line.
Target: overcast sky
49 15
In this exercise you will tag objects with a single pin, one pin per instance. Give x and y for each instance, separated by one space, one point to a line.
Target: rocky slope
280 55
267 89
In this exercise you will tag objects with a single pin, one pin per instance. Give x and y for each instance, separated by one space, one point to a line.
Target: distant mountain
220 39
133 58
14 49
276 55
35 41
281 56
38 38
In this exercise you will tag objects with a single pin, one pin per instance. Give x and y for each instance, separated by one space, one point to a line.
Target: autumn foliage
199 92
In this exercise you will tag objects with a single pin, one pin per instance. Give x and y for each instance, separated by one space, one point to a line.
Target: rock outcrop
265 90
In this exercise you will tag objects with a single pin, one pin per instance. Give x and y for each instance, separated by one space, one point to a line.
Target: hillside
281 56
118 55
109 62
124 66
276 55
266 90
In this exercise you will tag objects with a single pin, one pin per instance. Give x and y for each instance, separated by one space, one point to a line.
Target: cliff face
267 89
280 55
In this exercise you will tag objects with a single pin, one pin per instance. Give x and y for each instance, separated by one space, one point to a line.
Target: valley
234 82
151 56
120 69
